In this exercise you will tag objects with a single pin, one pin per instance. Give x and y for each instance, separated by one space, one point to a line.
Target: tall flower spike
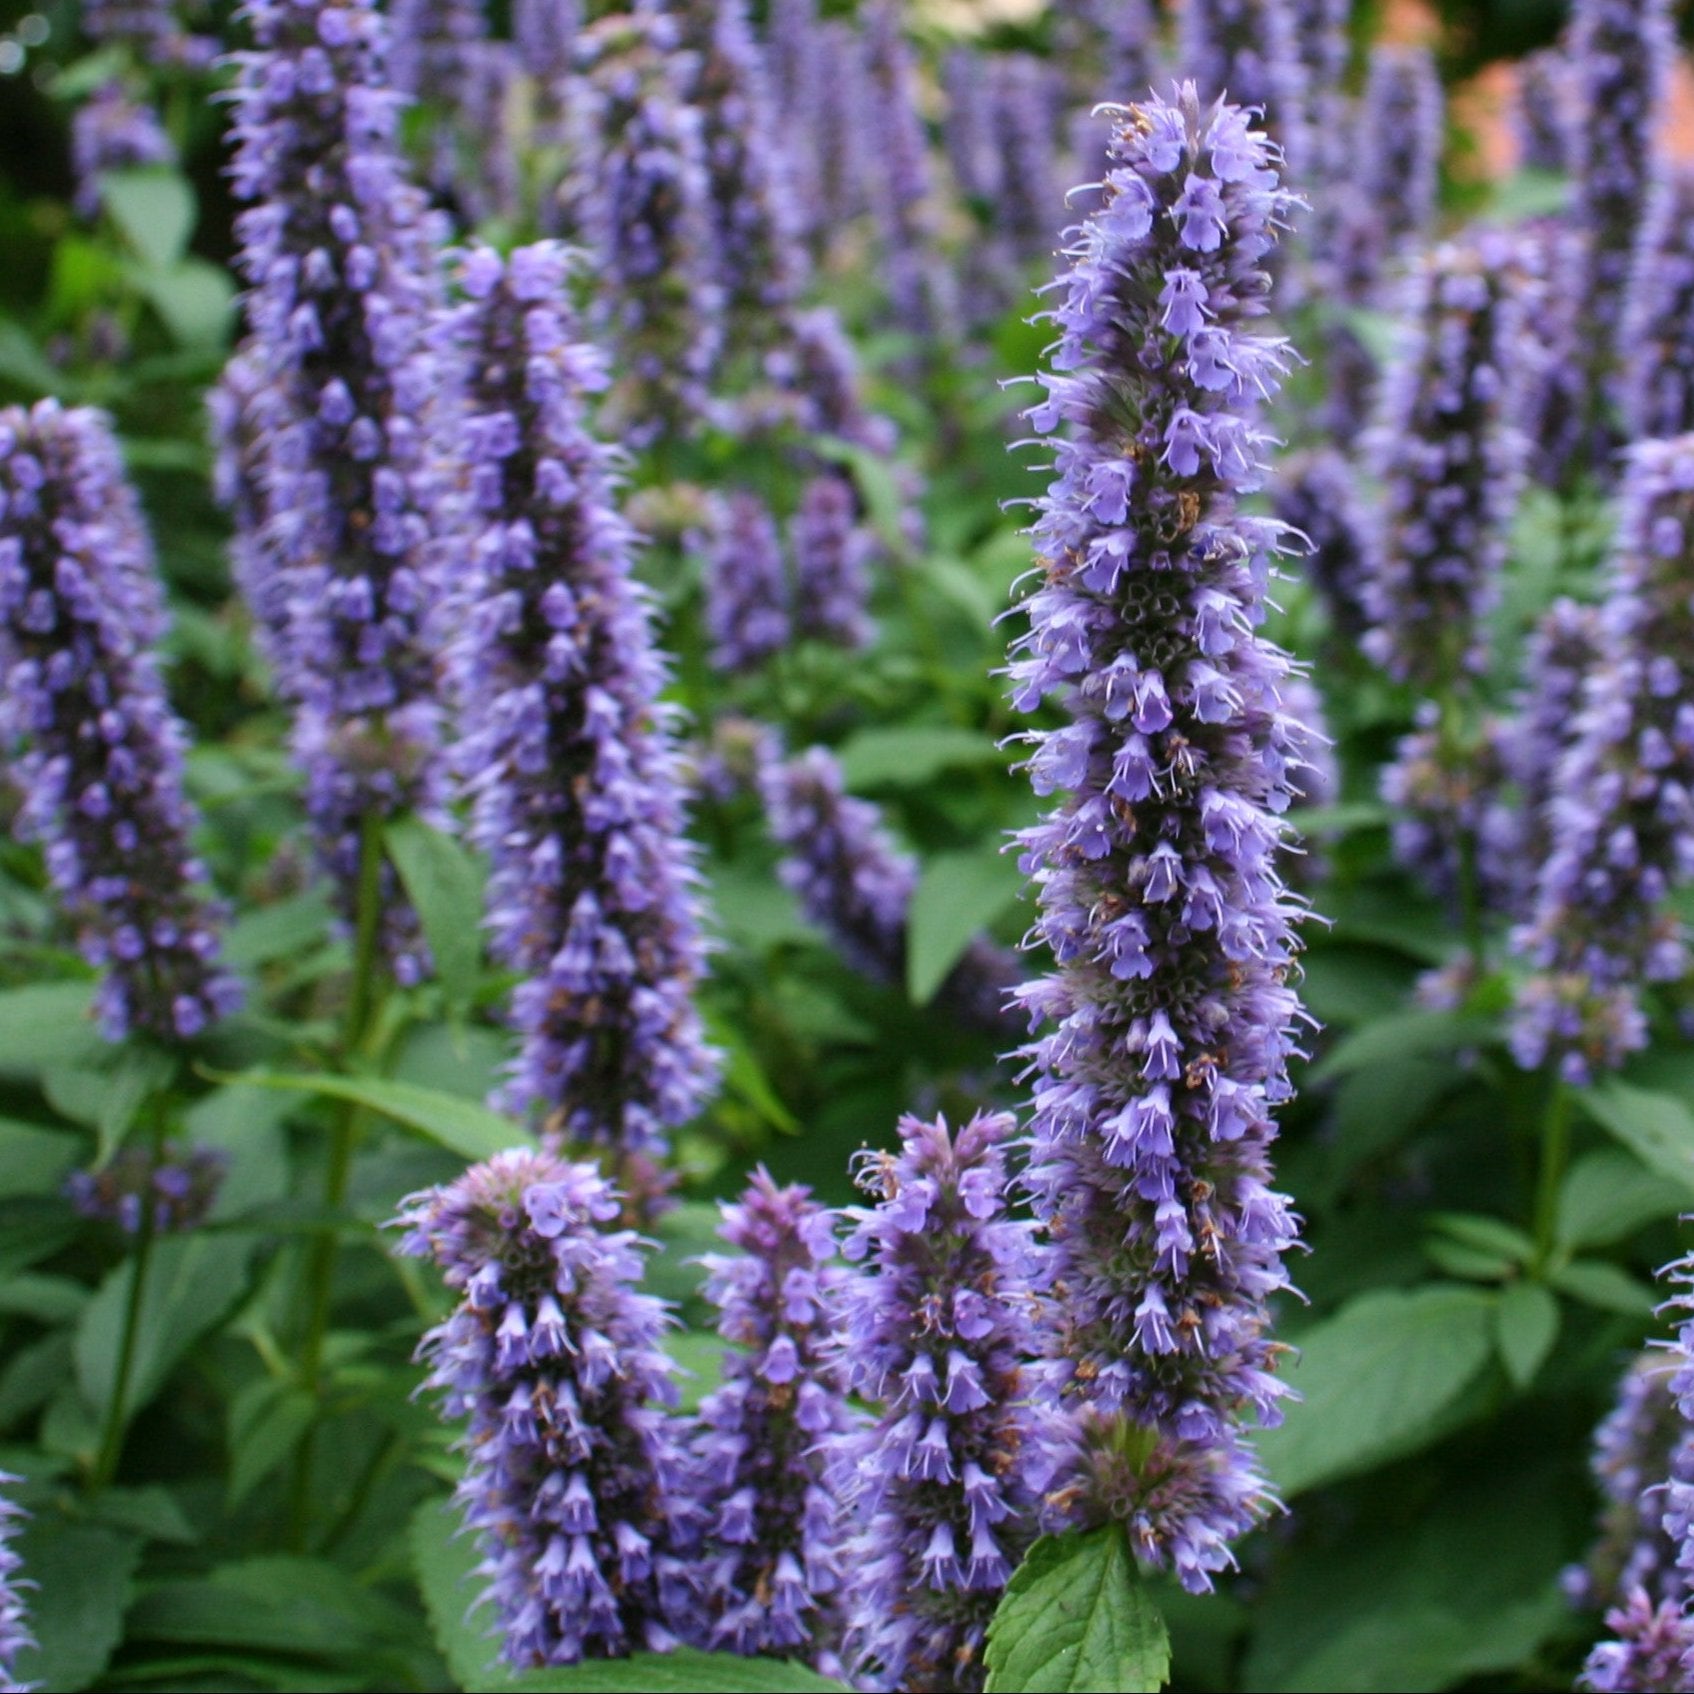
1387 205
81 616
1316 495
112 131
772 1559
1620 821
1542 110
1450 459
567 749
1246 52
577 1480
1168 1014
856 885
936 1330
638 197
830 548
1657 379
337 250
1324 46
746 583
14 1617
968 129
1030 208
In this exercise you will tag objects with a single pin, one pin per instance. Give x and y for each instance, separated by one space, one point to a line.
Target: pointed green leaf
1609 1195
154 207
1657 1128
1075 1617
958 897
1526 1324
444 883
1596 1283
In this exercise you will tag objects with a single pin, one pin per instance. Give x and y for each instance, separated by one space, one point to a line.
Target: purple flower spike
567 750
1450 459
1168 1015
14 1618
183 1183
81 616
1543 111
1620 820
935 1330
773 1559
338 252
746 584
1316 495
1246 52
830 551
639 198
577 1480
1657 378
113 132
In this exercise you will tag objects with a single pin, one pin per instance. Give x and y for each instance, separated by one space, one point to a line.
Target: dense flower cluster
1450 458
577 1479
566 748
112 131
1316 496
1649 1655
100 766
14 1617
1620 820
1657 340
830 552
182 1182
336 247
639 197
935 1331
151 29
746 583
1168 1016
1542 113
773 1559
1247 52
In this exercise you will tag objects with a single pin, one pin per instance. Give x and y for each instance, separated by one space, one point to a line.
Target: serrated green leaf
958 896
1374 1379
1526 1324
83 1575
449 1120
1604 1286
154 208
1657 1128
1608 1195
915 754
1076 1616
444 1561
444 883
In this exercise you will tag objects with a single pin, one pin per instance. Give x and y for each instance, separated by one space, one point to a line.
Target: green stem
1555 1154
320 1268
112 1436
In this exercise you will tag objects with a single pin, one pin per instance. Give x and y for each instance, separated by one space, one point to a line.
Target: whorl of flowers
567 750
577 1480
14 1616
1316 495
935 1329
1620 820
1542 115
1246 52
1029 210
829 548
182 1182
968 127
1168 1015
113 131
1657 340
816 365
544 33
638 196
1450 460
772 1556
337 251
1321 39
149 28
100 770
1649 1654
856 885
1620 53
746 583
436 44
1387 204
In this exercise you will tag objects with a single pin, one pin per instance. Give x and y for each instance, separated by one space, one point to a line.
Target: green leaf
47 1299
1374 1380
1526 1324
686 1671
154 208
449 1120
444 1560
744 1077
1657 1128
137 1075
1402 1037
1609 1195
914 755
191 1283
46 1025
280 931
1076 1616
1486 1234
1596 1283
34 1160
196 301
151 1512
874 478
957 898
82 1575
266 1421
444 883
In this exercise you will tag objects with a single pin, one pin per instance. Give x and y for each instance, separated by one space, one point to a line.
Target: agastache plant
577 1480
567 749
1167 1019
772 1556
936 1329
1656 383
746 583
337 251
1619 822
100 770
